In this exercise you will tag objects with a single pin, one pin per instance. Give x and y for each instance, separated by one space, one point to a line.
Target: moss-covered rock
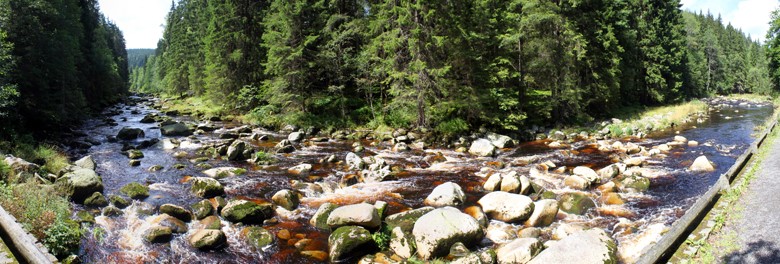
208 239
202 209
320 218
176 211
127 133
96 200
134 163
206 187
80 183
633 183
118 201
175 130
134 154
177 226
135 190
211 222
347 241
406 220
242 211
111 211
257 236
158 234
85 217
576 203
286 199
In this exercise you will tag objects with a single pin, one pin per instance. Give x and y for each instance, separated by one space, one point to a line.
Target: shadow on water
761 251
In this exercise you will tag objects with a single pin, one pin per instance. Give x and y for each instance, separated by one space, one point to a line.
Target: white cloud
752 16
141 21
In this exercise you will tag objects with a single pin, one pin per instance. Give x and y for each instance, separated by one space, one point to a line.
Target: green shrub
63 238
452 127
382 237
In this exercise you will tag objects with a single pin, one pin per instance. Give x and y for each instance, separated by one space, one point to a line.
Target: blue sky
752 16
142 20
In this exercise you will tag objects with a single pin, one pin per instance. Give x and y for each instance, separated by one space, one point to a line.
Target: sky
141 21
752 16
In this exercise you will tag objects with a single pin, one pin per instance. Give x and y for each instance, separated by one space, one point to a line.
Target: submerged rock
257 236
135 190
576 203
434 239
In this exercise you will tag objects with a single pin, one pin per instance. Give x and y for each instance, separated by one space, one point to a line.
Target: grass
721 243
751 97
655 118
195 104
51 158
44 215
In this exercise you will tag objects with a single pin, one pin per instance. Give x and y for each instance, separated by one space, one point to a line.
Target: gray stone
519 251
363 214
436 231
242 211
446 194
507 207
320 218
176 130
545 212
206 187
208 239
127 133
80 184
86 163
500 141
482 148
345 240
592 246
286 199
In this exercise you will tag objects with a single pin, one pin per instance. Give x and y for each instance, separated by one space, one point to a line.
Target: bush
51 159
452 127
63 238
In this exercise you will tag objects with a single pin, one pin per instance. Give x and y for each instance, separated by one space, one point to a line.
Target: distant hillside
137 57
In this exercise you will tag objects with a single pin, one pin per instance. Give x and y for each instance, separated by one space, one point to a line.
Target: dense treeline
136 58
59 59
449 65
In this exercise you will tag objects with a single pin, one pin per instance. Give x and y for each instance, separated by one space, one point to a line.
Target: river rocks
446 194
158 234
295 137
127 133
242 211
608 172
86 163
206 187
500 232
702 164
482 148
211 222
301 170
208 239
176 130
544 213
320 218
406 219
286 199
402 242
118 201
363 214
633 183
591 246
507 207
434 239
354 161
510 182
110 211
134 154
500 141
576 182
134 163
477 213
586 173
223 172
257 236
135 190
284 146
493 183
680 139
576 203
347 240
176 211
235 151
149 118
96 200
80 184
520 250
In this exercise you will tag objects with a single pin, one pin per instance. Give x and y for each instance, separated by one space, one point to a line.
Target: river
722 138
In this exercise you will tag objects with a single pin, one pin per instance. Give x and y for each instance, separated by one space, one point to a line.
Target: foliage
382 237
44 214
50 157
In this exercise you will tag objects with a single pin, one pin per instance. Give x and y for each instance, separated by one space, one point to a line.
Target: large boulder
86 163
446 194
544 213
586 173
242 211
406 219
320 218
345 241
702 164
208 239
286 199
507 207
158 234
206 187
483 148
176 130
80 184
176 211
435 232
592 246
127 133
500 141
135 190
363 214
295 137
520 250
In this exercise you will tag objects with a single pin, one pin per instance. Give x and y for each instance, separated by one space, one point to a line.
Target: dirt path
758 230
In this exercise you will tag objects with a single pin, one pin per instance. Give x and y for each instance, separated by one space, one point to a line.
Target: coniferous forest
59 60
447 65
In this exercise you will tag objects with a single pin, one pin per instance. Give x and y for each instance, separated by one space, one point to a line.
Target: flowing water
723 137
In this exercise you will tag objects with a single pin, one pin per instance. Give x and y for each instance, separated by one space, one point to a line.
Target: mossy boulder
86 162
242 211
406 220
211 222
135 190
127 133
257 236
111 211
633 183
96 200
320 218
208 239
80 183
576 203
134 154
347 241
202 209
158 234
118 201
287 199
176 130
176 211
436 231
206 187
85 217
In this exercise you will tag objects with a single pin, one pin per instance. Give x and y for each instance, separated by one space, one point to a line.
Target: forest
448 65
59 61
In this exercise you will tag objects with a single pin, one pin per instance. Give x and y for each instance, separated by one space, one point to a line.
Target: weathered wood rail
663 250
22 242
